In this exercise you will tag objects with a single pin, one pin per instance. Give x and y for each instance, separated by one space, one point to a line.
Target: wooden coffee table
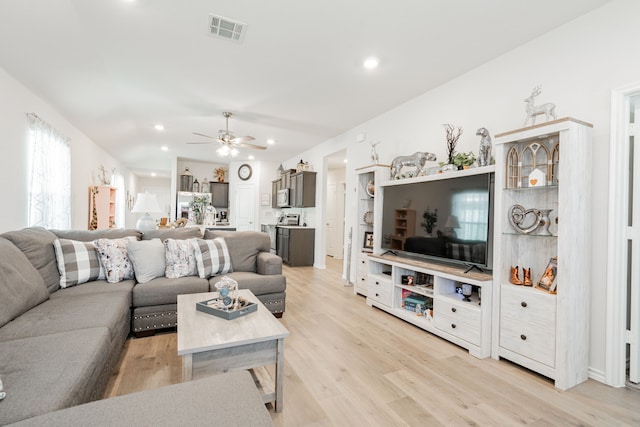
209 344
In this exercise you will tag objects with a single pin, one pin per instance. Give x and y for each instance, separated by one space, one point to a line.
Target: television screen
447 219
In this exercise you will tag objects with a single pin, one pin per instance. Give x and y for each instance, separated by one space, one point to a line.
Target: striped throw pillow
77 262
212 257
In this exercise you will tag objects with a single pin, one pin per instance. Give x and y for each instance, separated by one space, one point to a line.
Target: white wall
86 157
161 187
577 65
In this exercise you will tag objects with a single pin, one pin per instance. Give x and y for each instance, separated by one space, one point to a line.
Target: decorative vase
545 222
449 167
198 216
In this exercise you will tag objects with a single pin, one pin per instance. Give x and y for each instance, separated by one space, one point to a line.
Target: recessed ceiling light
345 160
271 141
371 63
251 157
159 127
153 174
164 148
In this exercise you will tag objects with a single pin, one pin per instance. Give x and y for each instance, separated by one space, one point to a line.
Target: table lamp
450 226
146 203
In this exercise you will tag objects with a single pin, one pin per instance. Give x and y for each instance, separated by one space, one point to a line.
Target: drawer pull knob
377 283
453 309
453 325
377 295
524 304
523 337
362 278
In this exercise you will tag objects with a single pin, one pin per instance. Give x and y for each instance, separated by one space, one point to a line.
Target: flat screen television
462 207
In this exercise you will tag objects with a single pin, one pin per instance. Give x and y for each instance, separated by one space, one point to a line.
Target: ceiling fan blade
257 147
206 136
242 139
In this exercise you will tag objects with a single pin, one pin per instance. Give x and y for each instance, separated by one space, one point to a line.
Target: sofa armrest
269 264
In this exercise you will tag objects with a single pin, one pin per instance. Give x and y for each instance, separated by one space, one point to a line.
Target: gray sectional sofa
58 347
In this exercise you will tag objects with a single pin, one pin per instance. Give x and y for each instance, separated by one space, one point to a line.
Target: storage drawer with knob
528 323
362 272
458 319
379 289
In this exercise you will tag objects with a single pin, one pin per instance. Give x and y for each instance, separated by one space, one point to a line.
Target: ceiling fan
229 142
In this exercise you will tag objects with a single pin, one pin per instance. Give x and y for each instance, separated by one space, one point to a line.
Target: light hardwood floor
347 364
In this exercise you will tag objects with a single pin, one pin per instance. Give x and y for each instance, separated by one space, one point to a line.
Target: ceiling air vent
225 28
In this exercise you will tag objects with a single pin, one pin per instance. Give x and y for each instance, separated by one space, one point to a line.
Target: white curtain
117 181
49 199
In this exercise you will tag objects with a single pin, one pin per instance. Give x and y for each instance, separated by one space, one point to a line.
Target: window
470 207
49 180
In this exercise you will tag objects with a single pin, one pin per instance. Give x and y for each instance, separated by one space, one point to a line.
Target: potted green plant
464 160
430 218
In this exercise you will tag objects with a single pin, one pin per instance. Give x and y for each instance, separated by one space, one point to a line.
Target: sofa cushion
229 399
173 233
21 286
257 283
163 290
68 314
97 287
147 257
77 262
212 257
179 258
113 257
45 373
243 246
37 244
91 235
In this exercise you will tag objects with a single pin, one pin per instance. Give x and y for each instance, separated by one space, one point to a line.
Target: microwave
282 198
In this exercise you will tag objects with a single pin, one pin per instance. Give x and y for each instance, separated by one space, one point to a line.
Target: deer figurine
548 109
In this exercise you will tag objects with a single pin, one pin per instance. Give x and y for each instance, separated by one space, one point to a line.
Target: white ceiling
115 68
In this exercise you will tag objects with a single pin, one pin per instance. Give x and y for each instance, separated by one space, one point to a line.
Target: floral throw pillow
180 259
114 259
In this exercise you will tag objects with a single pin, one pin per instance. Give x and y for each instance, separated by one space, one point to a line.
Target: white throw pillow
212 257
147 257
113 257
77 262
179 258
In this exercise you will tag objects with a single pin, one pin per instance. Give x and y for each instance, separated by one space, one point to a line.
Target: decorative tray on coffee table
216 307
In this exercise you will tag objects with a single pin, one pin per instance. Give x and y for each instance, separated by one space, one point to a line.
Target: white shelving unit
445 313
367 178
544 166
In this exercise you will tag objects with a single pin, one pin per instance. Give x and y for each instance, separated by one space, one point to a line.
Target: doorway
623 281
334 211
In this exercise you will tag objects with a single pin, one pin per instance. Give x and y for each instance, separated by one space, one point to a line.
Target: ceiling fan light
223 150
234 152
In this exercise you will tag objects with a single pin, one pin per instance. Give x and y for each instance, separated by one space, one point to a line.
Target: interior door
330 216
245 207
633 236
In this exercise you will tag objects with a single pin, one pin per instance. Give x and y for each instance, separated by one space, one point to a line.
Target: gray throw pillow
37 244
212 257
77 262
147 257
21 286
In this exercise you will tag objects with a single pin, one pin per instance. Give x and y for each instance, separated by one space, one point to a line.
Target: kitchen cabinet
303 189
295 245
220 194
275 187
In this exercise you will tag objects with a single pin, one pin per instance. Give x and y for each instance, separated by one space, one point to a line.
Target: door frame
616 316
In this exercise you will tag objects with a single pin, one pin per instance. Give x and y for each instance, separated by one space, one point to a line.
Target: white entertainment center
544 331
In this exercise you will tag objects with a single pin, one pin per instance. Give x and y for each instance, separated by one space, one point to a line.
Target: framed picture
368 240
547 281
